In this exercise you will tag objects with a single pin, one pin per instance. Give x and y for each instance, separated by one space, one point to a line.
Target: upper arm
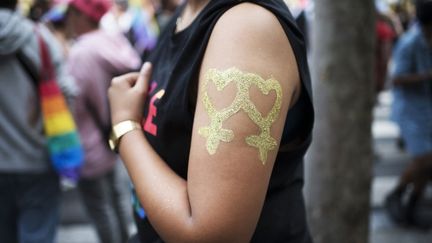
235 140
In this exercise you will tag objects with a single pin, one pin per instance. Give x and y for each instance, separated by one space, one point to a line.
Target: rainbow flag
63 141
64 145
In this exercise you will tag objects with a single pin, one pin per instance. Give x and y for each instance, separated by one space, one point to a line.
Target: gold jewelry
119 130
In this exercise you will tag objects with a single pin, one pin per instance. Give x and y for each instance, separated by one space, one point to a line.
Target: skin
222 198
78 24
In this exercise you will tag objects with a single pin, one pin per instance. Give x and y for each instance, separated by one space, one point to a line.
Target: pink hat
94 9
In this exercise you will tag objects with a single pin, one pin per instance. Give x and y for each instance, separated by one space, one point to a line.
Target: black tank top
169 115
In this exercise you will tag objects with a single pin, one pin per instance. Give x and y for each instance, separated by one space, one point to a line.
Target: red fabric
49 88
384 31
385 36
47 73
93 9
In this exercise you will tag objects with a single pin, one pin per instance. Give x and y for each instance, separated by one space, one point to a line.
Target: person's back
29 188
22 147
94 59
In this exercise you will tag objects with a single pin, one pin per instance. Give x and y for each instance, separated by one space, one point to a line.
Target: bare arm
222 198
410 79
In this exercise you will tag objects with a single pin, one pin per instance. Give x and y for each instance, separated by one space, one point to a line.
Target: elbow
200 238
396 81
209 234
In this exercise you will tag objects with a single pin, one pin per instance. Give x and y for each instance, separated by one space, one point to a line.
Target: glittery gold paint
214 133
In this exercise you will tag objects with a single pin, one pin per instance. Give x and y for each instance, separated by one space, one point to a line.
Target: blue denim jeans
107 205
29 207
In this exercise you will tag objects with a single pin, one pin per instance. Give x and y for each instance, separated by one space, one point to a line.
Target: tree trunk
339 162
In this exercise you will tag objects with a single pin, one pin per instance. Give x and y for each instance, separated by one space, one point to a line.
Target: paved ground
389 163
75 225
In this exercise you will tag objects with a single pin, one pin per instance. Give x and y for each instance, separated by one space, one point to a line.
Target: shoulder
251 38
412 37
408 43
251 10
52 43
80 61
78 56
247 18
85 47
248 27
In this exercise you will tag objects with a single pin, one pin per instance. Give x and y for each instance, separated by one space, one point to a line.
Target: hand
127 95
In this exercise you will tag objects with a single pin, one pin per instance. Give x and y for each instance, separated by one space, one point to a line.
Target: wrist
118 117
119 130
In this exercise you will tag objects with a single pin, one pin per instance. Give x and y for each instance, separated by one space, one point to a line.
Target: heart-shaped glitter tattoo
214 133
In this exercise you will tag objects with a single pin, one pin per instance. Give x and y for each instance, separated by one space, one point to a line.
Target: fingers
136 80
144 77
129 79
127 95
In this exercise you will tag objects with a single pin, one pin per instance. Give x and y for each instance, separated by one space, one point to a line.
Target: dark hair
10 4
424 11
38 9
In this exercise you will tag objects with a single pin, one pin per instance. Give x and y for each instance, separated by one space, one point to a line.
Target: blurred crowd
404 43
392 21
89 42
139 21
403 65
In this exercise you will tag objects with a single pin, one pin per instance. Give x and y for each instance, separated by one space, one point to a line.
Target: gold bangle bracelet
119 130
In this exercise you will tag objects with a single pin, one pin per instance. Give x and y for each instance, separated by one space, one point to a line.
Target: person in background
38 9
404 12
54 19
29 187
412 111
139 26
94 58
165 10
385 36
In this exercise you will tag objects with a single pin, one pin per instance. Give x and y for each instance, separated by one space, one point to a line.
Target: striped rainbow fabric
63 141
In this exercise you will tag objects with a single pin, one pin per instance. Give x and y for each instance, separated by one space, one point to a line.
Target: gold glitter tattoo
214 133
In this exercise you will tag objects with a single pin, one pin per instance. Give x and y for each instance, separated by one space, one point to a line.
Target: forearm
165 198
161 191
411 79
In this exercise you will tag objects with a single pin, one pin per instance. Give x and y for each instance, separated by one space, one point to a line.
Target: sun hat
94 9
